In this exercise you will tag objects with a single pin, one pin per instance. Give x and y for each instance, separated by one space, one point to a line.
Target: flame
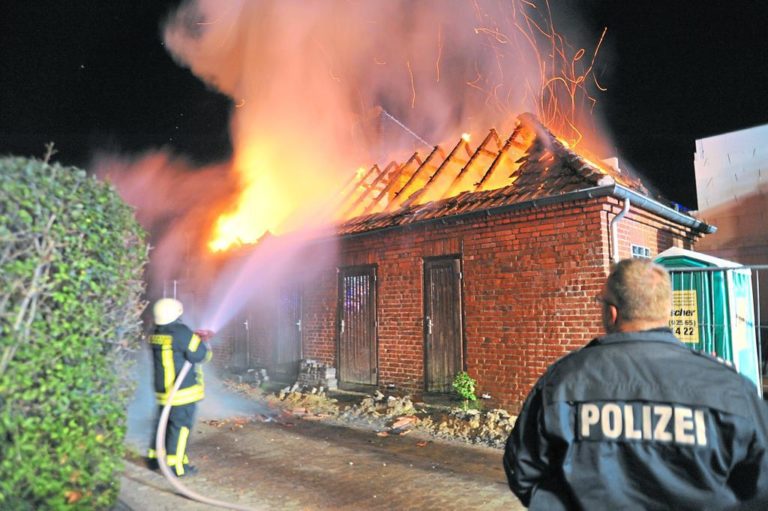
495 59
263 206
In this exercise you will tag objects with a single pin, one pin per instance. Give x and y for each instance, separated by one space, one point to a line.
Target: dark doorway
287 352
443 347
356 328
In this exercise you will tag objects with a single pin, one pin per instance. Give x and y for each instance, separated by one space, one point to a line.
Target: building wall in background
731 167
732 190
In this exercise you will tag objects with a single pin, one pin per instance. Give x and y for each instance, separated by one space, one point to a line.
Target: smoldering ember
417 219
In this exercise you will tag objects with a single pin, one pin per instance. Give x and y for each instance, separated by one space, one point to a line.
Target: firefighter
172 344
637 420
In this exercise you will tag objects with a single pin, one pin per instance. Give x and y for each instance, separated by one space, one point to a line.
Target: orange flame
269 199
263 206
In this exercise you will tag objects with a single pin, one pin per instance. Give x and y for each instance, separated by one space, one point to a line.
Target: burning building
472 256
482 259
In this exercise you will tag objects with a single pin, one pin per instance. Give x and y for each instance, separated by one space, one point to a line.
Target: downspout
615 230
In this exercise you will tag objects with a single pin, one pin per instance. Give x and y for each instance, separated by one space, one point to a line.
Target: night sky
94 75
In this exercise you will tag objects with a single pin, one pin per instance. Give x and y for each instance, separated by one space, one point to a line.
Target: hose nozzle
205 335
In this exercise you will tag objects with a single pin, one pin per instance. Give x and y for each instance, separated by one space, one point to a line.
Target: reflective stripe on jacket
172 345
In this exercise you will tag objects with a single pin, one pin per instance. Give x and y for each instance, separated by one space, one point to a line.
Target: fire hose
160 449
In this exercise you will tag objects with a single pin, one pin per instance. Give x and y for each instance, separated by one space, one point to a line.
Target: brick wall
318 317
528 287
642 228
529 283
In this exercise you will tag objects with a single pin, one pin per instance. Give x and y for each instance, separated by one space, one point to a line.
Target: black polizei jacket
172 345
640 421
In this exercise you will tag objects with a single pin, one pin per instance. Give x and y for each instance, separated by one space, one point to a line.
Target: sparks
498 36
439 51
560 91
413 85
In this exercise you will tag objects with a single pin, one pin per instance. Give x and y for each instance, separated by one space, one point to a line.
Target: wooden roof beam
492 135
392 181
370 188
356 190
400 194
424 190
496 161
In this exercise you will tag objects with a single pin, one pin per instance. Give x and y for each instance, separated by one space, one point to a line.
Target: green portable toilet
713 309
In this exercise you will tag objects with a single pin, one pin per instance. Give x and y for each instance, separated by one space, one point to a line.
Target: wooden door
356 326
443 346
287 352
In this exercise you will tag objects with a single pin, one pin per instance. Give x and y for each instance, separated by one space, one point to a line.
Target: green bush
71 260
464 385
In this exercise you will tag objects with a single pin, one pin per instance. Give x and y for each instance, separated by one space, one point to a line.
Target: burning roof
531 164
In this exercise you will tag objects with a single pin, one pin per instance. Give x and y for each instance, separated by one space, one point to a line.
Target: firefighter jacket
172 345
640 421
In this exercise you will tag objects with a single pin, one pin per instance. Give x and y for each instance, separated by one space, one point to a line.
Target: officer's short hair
640 289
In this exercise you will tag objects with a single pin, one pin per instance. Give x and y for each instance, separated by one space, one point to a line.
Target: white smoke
311 75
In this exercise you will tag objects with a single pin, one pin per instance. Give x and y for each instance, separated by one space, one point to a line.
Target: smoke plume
320 88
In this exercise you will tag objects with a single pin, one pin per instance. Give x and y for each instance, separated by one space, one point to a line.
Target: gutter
611 190
663 211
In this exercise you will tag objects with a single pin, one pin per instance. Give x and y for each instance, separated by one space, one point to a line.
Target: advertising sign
684 319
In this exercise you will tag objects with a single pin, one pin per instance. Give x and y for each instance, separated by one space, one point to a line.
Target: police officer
637 420
172 344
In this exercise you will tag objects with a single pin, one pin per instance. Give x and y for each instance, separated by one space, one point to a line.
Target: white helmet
167 310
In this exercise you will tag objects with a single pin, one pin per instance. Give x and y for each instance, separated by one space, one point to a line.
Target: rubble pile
381 405
489 428
389 415
386 414
316 374
496 427
399 415
312 403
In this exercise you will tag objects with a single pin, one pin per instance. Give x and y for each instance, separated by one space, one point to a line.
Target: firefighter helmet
167 310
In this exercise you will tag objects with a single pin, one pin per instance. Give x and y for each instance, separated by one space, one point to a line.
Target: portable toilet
713 309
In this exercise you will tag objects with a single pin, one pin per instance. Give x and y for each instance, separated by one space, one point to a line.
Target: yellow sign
684 320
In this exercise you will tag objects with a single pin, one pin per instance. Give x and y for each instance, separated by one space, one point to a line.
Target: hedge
71 260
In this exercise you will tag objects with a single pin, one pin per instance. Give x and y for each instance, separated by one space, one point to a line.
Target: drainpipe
615 230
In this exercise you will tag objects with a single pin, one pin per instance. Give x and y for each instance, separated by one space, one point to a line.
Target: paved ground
295 464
